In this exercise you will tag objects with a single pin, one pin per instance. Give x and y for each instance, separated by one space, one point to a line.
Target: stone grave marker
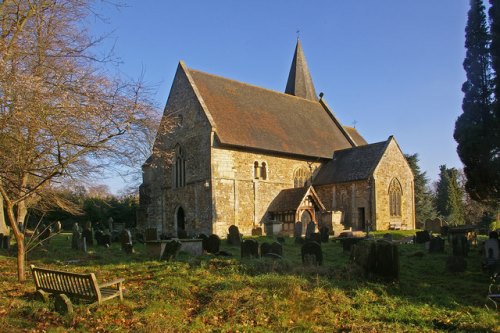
87 234
234 237
257 231
460 245
171 250
387 260
213 244
6 242
76 237
310 229
249 248
265 248
277 248
436 245
422 237
312 254
204 239
126 241
325 234
57 227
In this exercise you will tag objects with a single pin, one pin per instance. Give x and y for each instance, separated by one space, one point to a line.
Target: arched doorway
305 218
180 222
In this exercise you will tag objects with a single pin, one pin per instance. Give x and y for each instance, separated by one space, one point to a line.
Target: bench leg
63 304
42 296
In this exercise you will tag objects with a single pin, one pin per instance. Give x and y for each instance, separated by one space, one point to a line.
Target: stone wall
160 201
393 165
238 197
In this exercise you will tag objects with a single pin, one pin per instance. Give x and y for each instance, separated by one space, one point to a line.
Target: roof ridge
252 85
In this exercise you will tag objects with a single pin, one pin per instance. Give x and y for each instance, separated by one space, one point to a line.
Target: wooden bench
395 226
83 286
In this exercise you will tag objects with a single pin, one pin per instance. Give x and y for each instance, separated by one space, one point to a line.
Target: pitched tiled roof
252 117
354 134
351 164
288 200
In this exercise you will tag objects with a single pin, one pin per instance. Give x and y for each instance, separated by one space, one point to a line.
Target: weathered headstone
126 241
76 237
492 253
257 231
265 248
87 234
422 237
57 227
249 249
297 229
6 242
213 244
310 229
171 250
277 248
312 254
204 241
436 245
325 234
45 233
234 237
387 260
460 245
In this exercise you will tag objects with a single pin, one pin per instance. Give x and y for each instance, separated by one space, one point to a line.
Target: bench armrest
111 283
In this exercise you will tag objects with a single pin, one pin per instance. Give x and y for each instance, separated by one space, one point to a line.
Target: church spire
299 80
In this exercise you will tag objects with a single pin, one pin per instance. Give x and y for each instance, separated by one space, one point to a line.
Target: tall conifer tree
424 201
477 146
449 196
494 14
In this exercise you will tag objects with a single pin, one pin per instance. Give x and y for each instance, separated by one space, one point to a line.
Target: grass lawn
227 294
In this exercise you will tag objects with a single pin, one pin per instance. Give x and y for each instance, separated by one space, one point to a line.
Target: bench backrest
78 285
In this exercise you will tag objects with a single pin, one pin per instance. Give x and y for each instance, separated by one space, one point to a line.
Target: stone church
248 156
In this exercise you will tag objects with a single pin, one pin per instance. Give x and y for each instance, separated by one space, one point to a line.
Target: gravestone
249 249
492 253
377 259
310 229
387 260
436 245
87 234
422 237
257 231
57 227
76 237
234 237
171 250
126 241
213 244
45 233
434 225
297 229
460 245
265 248
6 242
277 248
325 234
1 241
312 254
315 237
204 239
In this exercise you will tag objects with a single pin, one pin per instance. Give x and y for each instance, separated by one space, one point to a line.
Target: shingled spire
299 80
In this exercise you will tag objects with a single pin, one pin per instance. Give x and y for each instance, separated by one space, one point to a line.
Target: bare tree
62 115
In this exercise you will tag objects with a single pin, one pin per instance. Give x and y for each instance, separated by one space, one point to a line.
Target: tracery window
300 177
179 169
395 194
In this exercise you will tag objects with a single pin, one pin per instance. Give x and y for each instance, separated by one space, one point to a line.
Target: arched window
256 170
395 193
179 169
300 177
263 171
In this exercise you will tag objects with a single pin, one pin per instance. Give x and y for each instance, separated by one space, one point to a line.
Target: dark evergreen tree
474 130
424 200
449 196
494 14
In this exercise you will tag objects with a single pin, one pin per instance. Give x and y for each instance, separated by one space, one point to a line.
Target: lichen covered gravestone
213 244
312 254
234 236
249 249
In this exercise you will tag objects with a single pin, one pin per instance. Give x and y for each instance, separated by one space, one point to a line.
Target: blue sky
392 66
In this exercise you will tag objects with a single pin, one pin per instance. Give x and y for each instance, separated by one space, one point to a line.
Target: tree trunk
21 251
3 225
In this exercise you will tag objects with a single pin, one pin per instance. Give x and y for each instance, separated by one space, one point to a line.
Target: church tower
299 80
